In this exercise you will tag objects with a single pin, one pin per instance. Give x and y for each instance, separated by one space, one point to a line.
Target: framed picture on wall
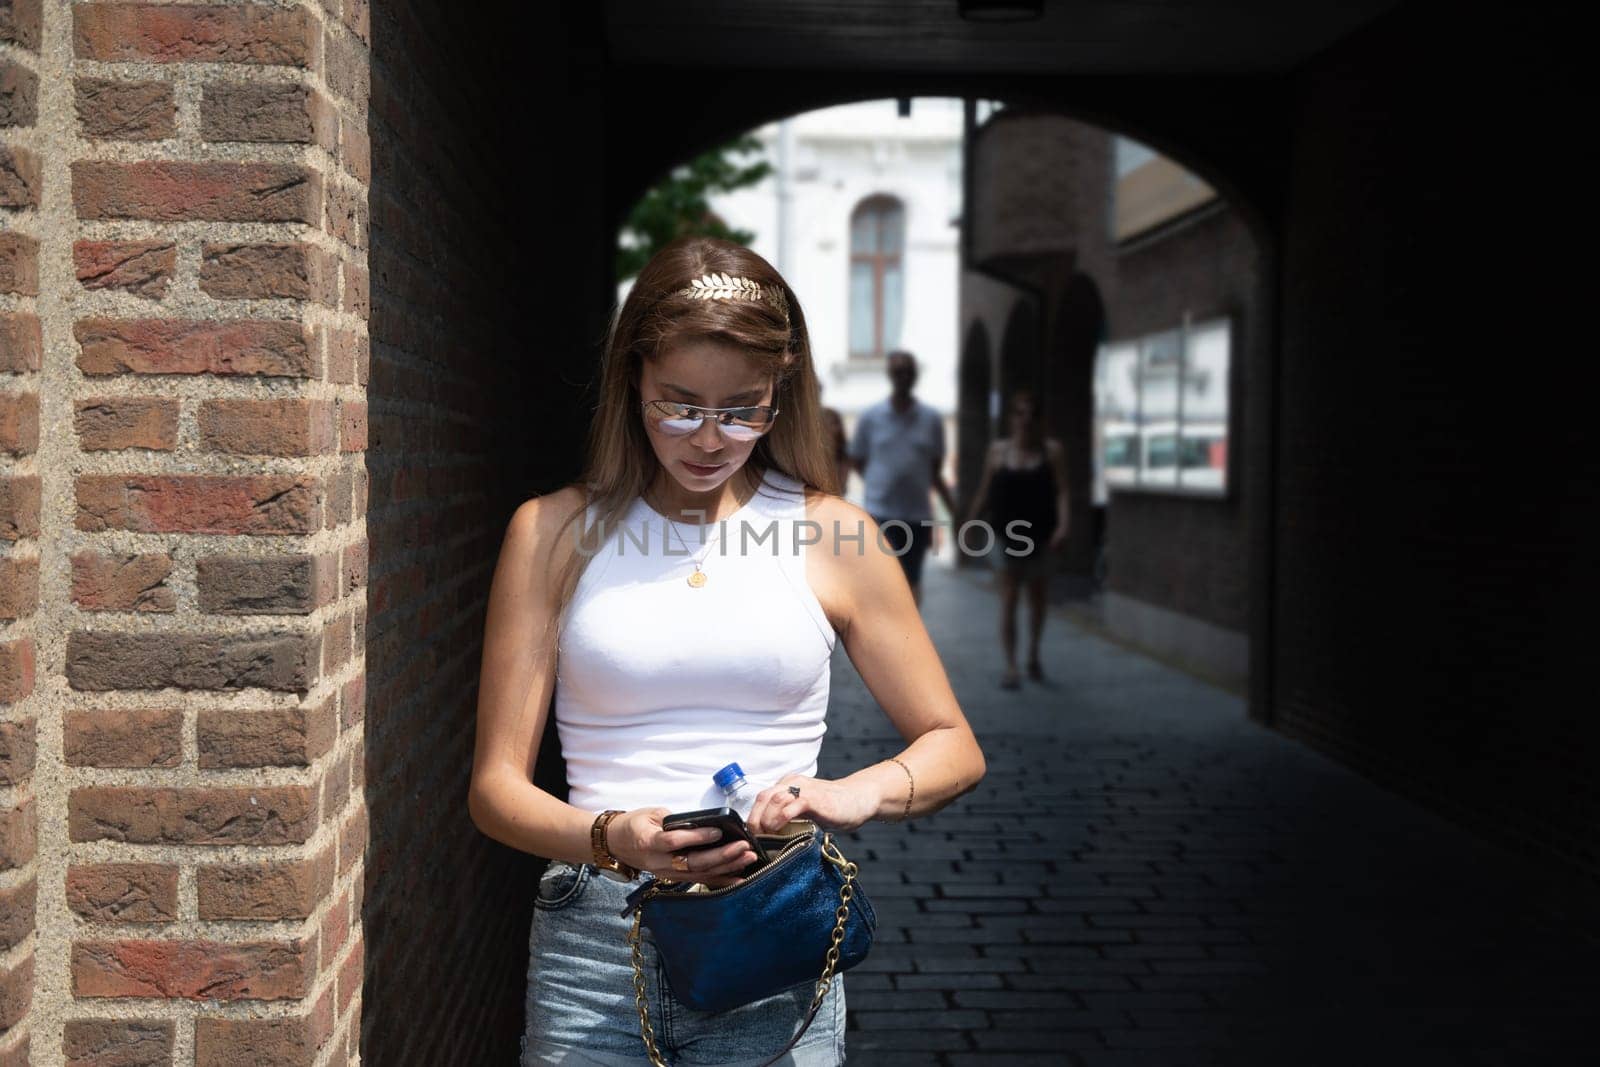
1161 410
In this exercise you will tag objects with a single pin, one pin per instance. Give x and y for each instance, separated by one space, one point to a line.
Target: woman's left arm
865 595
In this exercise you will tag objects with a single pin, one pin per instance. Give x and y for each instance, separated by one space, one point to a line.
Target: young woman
673 605
1025 478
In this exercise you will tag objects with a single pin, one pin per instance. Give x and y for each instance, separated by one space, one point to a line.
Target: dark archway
1346 139
1179 121
1179 117
1019 350
1067 386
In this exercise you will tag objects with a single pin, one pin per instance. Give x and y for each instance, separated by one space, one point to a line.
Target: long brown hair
621 463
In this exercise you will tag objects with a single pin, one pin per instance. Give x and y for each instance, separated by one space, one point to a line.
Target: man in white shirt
899 449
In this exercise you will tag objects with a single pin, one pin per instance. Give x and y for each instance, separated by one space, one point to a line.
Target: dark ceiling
1072 36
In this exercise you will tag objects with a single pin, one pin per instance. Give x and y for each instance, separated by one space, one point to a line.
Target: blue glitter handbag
801 914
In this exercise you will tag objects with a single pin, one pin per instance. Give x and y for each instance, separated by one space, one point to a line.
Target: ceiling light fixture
1001 10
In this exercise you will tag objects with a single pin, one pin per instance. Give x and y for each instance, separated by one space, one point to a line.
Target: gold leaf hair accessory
719 286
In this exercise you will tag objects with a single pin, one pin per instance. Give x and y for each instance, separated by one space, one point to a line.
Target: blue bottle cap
726 777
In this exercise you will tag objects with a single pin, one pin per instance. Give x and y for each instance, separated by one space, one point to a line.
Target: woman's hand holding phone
638 839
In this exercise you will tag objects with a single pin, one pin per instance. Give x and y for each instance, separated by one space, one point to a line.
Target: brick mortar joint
199 462
237 387
11 798
15 53
320 540
178 150
200 230
19 952
28 465
188 775
13 713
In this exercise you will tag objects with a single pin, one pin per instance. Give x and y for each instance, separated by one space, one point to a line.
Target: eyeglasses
737 424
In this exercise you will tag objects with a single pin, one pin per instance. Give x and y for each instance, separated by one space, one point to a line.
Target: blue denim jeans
580 1006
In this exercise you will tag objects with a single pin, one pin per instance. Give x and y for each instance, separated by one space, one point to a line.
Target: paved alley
1146 877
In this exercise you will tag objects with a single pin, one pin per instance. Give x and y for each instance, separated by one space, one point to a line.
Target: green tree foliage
680 205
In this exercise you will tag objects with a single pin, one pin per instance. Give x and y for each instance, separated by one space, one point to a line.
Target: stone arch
1230 165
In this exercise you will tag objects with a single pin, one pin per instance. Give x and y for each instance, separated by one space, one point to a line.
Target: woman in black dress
1024 480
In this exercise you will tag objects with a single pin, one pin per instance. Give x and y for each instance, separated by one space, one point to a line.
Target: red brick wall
182 537
21 360
265 289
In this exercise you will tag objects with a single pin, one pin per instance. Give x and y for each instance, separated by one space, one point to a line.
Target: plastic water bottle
740 795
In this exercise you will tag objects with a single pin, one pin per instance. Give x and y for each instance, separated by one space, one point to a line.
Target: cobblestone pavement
1147 877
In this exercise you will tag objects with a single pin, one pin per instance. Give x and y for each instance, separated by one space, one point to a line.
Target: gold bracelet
603 860
913 794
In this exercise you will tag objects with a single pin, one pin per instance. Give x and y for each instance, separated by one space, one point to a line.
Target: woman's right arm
514 687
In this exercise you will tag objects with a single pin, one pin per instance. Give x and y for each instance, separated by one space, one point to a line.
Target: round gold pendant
697 579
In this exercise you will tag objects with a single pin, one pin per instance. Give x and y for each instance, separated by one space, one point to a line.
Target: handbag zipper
653 887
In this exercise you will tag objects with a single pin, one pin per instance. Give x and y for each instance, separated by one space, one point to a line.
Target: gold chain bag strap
832 957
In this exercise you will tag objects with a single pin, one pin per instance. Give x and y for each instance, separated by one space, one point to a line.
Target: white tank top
659 684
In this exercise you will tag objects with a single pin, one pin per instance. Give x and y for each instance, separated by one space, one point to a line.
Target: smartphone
725 819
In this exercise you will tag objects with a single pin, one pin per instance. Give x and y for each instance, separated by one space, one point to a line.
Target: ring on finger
680 862
794 790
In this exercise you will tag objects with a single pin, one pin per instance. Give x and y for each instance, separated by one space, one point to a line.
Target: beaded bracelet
913 794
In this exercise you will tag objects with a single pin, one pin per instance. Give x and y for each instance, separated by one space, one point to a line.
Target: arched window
877 275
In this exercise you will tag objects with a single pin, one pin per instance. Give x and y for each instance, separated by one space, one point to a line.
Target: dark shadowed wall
1433 580
478 361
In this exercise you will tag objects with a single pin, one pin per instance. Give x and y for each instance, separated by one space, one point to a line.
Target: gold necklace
698 578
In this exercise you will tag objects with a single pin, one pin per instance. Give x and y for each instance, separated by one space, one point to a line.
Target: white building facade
862 217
